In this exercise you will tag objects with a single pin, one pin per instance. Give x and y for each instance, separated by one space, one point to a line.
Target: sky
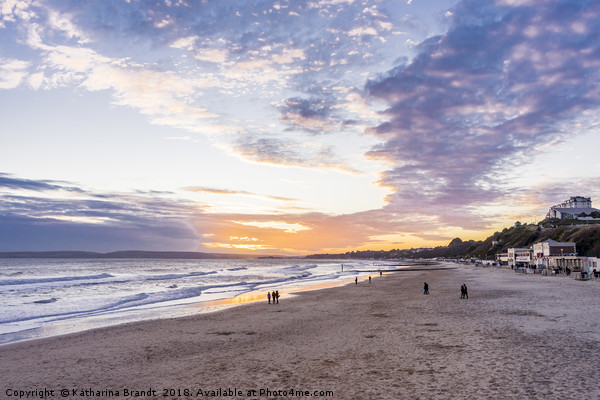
291 127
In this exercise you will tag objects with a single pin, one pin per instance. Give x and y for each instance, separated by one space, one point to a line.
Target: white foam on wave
99 294
53 279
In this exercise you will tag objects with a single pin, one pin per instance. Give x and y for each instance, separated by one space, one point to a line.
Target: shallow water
46 297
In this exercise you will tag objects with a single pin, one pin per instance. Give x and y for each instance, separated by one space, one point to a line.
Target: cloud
12 72
234 193
18 233
6 181
269 150
12 10
167 96
309 233
282 225
49 220
287 152
311 115
478 100
111 208
37 215
318 231
546 194
183 65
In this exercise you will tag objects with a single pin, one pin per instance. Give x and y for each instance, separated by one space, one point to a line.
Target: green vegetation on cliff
586 238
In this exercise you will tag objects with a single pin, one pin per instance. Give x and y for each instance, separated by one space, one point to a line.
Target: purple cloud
20 233
98 222
310 115
6 181
475 101
288 152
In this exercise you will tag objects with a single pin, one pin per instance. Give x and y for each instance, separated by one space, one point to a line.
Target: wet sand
517 336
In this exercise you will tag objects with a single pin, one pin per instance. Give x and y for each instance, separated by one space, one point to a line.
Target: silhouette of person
273 296
277 296
269 297
369 279
425 288
466 292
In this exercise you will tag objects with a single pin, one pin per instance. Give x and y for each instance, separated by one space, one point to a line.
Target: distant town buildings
577 207
553 256
518 256
550 253
551 247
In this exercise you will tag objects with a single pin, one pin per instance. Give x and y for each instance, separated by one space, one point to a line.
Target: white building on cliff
577 207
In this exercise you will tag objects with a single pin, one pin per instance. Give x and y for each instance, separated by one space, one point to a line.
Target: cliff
586 238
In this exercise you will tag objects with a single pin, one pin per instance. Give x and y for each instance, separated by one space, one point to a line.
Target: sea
48 297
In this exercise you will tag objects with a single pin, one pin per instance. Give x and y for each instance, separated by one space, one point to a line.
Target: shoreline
516 336
160 312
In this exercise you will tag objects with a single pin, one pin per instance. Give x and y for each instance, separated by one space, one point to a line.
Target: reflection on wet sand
253 297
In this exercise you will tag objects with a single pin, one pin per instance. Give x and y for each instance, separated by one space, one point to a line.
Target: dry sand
517 336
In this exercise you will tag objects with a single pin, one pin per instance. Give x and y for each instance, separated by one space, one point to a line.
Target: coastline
517 335
169 311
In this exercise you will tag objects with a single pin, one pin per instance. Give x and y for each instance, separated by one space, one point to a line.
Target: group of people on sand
464 293
273 296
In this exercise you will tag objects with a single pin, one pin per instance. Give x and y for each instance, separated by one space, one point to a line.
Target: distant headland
124 254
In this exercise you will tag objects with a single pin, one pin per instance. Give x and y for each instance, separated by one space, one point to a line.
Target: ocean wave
29 281
300 267
128 302
166 277
116 289
88 280
45 301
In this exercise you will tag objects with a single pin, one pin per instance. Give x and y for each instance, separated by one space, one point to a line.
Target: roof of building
575 211
555 243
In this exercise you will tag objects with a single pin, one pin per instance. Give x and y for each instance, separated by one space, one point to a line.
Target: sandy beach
517 336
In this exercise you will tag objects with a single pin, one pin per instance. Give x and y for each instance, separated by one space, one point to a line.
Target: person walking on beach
425 288
273 296
369 279
356 280
269 297
277 296
463 292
